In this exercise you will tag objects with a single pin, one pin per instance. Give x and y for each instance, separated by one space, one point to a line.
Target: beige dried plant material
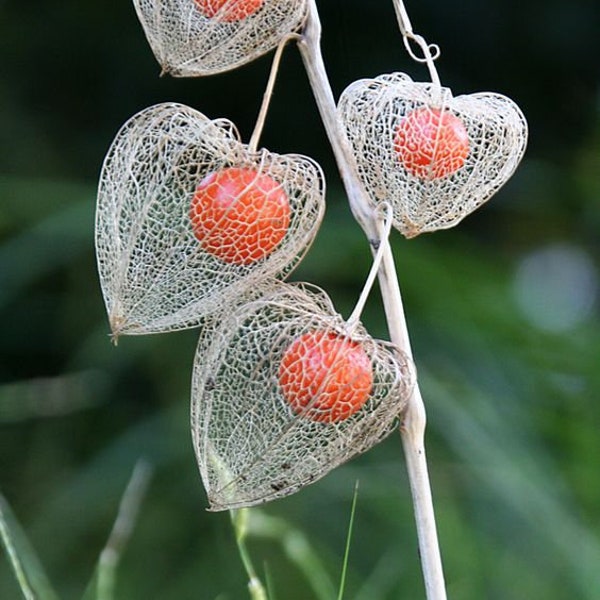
202 37
284 391
188 219
434 157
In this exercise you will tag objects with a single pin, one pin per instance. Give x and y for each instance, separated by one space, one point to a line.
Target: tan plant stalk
413 424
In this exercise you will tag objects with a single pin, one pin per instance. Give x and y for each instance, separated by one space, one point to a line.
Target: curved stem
264 107
430 51
385 227
413 424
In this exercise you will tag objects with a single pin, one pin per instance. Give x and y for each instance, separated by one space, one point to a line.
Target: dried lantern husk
428 195
188 41
155 274
252 446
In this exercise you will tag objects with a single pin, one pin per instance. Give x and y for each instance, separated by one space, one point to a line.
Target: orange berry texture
239 215
431 143
228 11
325 377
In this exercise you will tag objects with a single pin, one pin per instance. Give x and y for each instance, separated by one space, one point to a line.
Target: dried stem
264 107
430 51
413 425
386 227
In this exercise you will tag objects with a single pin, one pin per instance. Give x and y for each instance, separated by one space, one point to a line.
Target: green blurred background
503 314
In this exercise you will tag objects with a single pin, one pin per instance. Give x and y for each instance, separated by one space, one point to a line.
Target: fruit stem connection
380 248
430 51
413 424
264 108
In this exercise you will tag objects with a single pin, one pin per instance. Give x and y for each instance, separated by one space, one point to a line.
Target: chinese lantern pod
434 157
265 425
202 37
188 220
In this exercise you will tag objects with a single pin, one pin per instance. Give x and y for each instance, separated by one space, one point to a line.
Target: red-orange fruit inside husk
431 143
228 11
325 377
239 215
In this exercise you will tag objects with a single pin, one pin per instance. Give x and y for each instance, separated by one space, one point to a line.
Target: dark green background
503 313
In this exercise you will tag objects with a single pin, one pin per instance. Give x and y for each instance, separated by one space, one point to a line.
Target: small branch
266 101
412 428
380 248
430 51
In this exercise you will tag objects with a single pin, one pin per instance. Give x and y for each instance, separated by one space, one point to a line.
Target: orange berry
228 10
239 215
325 377
431 143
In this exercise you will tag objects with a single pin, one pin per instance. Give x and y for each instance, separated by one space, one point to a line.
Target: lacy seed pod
201 37
284 391
188 219
434 157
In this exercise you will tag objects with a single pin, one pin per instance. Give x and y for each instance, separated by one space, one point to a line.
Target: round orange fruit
239 215
228 11
325 377
431 143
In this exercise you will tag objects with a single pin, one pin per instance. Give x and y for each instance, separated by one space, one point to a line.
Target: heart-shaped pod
202 37
188 219
434 157
284 391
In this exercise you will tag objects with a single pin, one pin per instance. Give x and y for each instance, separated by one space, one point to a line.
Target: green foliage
513 439
26 566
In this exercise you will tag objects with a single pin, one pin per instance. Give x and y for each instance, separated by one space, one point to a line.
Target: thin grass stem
14 558
239 519
348 543
298 550
29 573
122 529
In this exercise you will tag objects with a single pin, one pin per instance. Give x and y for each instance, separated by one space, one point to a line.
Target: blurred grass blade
239 520
348 542
27 568
103 583
271 594
517 470
297 549
383 579
42 397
